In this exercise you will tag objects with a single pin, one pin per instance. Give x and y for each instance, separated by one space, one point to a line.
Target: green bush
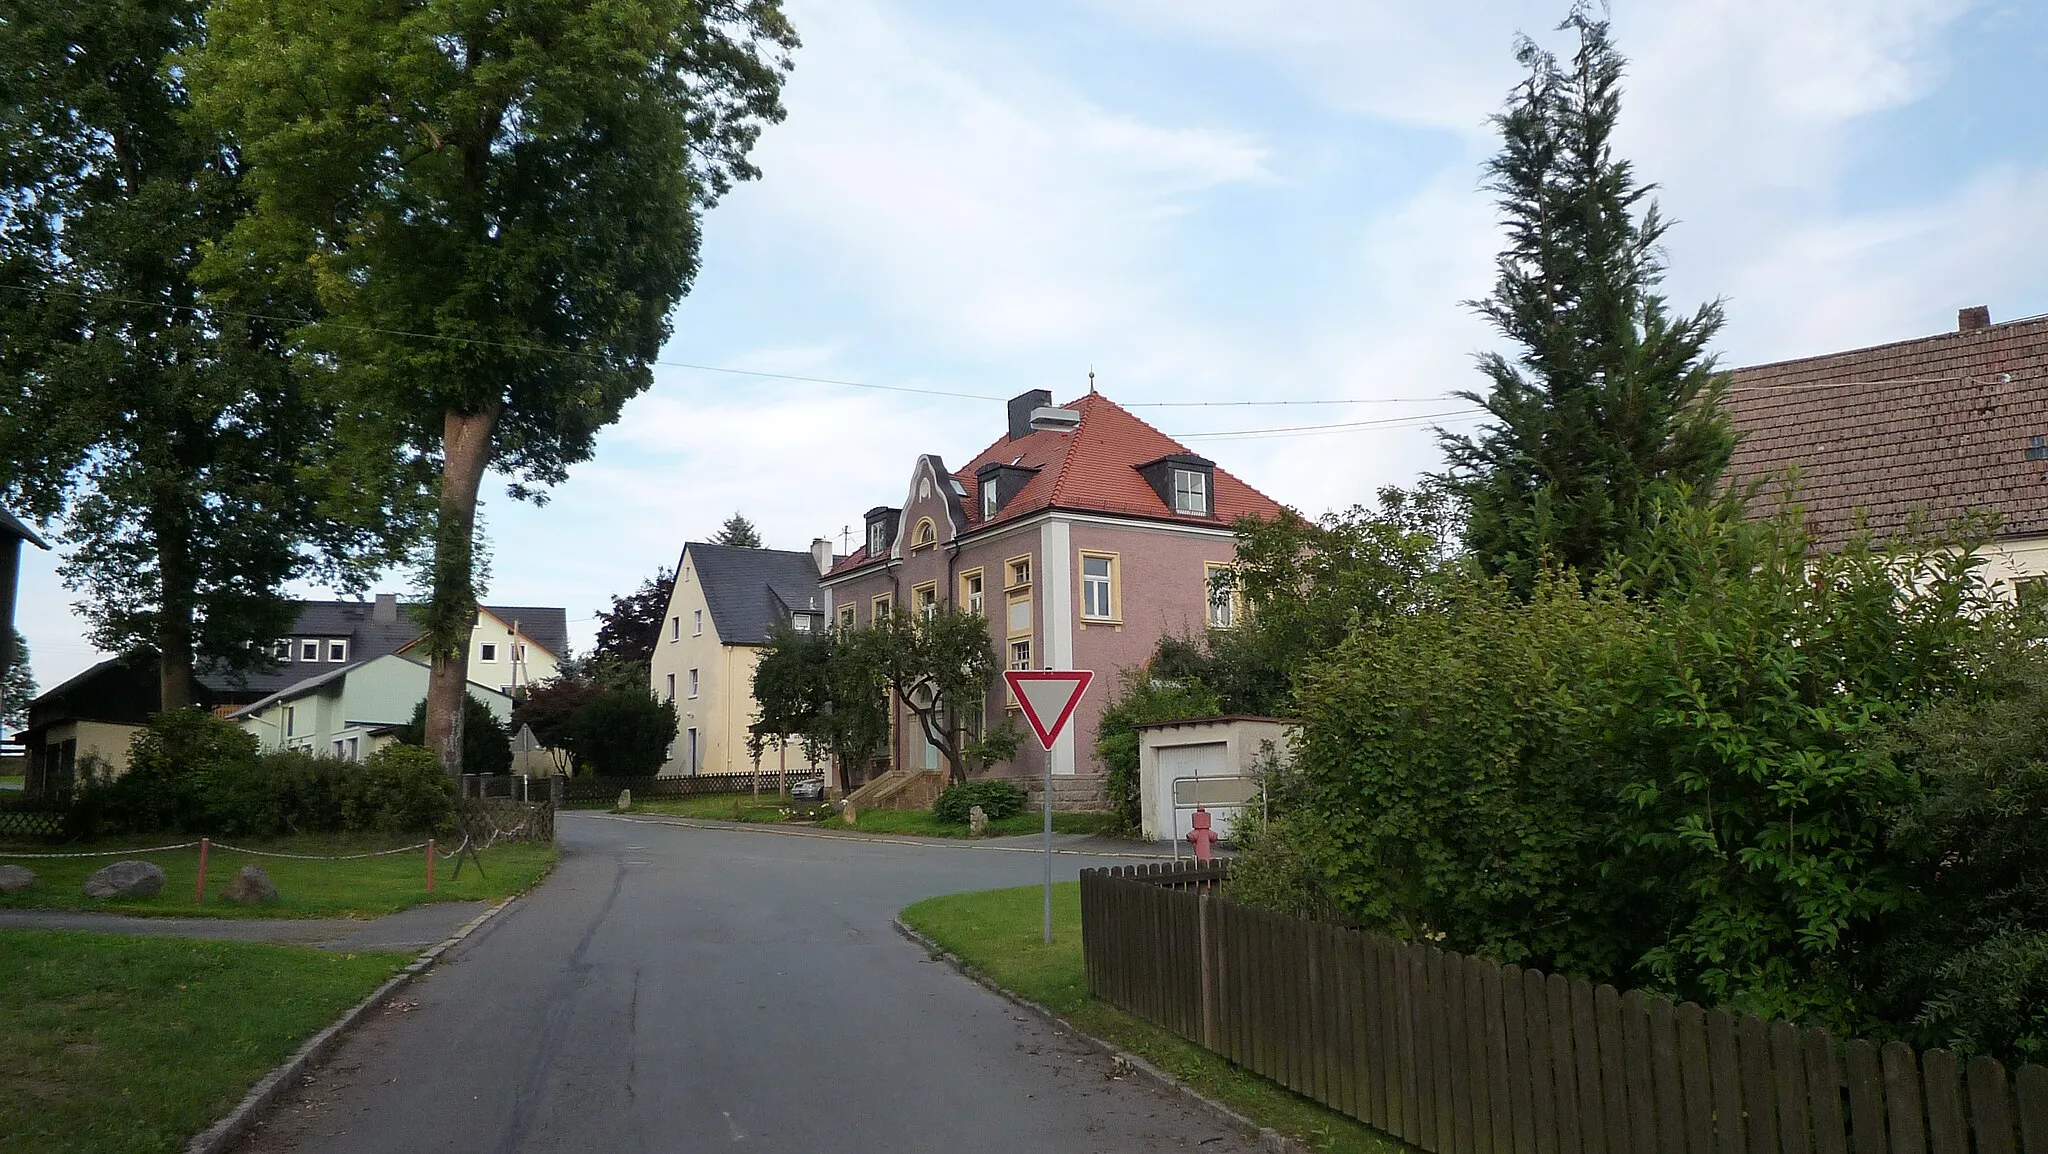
997 797
622 732
168 761
401 790
486 741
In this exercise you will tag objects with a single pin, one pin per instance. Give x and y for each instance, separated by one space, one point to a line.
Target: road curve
674 989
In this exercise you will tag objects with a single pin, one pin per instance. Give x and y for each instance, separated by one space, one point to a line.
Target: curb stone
1272 1139
217 1138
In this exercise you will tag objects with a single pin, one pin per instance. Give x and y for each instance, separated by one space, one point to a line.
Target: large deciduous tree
1612 402
627 632
813 687
497 207
186 458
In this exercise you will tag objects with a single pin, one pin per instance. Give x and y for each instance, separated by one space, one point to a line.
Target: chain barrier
102 853
221 845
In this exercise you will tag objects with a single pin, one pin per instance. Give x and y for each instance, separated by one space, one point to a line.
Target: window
337 651
693 749
1217 585
989 507
926 600
927 535
883 605
338 747
519 653
696 623
671 687
970 591
487 652
281 650
693 683
1019 570
309 650
2030 590
846 616
675 628
291 720
878 538
1098 586
801 622
1190 492
1020 654
355 749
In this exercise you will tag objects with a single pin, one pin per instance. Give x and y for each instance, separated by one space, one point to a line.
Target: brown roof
1937 427
1093 469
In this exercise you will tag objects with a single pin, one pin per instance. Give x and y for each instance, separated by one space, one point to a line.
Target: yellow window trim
931 587
925 535
1116 585
880 606
1017 597
1010 566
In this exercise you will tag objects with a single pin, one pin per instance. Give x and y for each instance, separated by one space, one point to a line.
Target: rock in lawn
977 821
126 879
14 879
251 885
625 800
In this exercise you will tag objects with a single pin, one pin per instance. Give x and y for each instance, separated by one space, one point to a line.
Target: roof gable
1092 469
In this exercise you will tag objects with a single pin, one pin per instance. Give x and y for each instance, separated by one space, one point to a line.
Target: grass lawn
132 1045
923 824
366 888
998 932
12 781
717 806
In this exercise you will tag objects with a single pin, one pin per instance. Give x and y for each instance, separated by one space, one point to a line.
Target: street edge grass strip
224 1134
1272 1138
784 830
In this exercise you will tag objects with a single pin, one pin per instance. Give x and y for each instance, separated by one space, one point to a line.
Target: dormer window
878 539
1186 484
989 504
882 521
801 622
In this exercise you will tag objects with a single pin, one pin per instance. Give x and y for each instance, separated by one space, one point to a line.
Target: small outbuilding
1212 762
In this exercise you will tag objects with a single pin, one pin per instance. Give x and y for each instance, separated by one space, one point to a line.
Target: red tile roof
1938 427
1093 469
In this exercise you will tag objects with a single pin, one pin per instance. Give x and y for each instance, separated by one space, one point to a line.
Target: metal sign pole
1048 845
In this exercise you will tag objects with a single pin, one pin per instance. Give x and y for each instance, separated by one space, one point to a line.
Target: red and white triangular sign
1048 697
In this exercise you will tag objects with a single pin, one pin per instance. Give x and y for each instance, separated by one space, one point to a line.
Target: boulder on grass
126 879
251 886
14 879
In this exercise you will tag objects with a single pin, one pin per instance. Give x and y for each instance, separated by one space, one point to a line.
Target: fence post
1208 948
199 891
558 787
430 865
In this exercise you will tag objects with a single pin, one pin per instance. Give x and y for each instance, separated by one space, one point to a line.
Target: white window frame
1010 654
878 538
989 508
1223 609
309 649
801 622
971 595
281 650
291 721
693 683
487 652
337 649
675 628
1191 492
696 623
671 687
1102 588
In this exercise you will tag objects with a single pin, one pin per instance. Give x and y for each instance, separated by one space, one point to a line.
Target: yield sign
1048 697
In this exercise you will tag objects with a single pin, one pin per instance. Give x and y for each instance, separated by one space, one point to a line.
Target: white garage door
1198 766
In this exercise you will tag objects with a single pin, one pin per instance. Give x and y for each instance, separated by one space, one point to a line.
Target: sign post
1047 698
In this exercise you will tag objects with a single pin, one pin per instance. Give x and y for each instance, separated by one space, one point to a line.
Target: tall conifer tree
1612 401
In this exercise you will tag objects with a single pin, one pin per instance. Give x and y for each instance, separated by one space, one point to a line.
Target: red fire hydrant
1202 836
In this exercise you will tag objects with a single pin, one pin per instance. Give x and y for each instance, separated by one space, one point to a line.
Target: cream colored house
507 652
721 607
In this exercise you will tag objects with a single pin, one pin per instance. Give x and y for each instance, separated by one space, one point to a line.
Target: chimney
386 610
821 554
1021 408
1974 317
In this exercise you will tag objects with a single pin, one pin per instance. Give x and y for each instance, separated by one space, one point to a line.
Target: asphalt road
674 989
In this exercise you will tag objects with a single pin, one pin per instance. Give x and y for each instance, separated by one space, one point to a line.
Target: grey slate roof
750 590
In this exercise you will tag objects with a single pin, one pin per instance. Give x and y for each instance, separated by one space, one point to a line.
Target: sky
1227 201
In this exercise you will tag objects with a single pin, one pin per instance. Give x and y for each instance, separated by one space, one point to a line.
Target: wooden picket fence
1457 1054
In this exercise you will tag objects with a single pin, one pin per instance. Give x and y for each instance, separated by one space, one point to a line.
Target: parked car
809 789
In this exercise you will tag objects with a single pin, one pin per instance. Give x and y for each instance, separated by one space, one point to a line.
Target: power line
1333 427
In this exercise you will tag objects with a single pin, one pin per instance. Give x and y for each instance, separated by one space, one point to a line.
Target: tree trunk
451 609
177 686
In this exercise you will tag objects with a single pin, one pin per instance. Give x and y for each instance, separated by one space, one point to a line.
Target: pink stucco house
1083 534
